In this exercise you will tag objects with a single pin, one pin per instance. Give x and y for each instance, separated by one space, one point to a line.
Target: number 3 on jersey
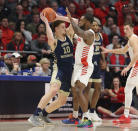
66 49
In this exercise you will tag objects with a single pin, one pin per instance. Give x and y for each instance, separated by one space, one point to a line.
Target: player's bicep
51 43
88 37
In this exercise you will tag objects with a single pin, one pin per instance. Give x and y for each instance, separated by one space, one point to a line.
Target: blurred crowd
22 30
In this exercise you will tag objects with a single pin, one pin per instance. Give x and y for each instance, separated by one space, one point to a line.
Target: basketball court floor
106 125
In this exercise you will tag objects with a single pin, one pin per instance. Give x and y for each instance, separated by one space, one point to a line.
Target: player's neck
130 35
60 37
96 36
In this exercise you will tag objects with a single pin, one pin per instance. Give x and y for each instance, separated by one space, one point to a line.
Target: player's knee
54 91
78 91
62 101
98 89
127 90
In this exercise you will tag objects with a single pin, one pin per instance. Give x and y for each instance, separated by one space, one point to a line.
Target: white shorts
133 76
81 74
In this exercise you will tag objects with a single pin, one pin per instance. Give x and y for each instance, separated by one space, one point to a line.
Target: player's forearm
76 28
117 51
133 61
66 19
49 32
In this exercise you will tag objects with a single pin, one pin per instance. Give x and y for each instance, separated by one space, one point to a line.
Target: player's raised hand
104 50
43 18
68 13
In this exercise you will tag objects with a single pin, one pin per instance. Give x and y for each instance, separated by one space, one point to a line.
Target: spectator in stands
39 29
62 7
115 40
31 59
17 14
72 10
21 27
8 62
114 30
102 11
116 96
18 67
17 43
89 10
11 4
41 46
54 5
25 5
6 65
116 106
42 4
81 8
119 4
44 70
4 10
113 13
7 34
34 10
116 59
89 3
12 25
125 11
108 24
32 26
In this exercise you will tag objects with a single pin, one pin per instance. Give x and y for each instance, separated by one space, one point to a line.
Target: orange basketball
49 13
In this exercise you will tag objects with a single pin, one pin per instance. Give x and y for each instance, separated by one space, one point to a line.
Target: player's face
128 30
61 29
95 27
82 22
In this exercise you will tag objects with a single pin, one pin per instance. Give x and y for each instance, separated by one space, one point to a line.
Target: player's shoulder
100 34
133 39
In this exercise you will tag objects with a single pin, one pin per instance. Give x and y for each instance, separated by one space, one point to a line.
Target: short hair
89 17
129 23
56 24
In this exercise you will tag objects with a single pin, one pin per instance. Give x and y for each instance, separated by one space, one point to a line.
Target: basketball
49 13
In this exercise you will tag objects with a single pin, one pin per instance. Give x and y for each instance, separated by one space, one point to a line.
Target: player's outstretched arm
87 36
116 51
49 32
65 18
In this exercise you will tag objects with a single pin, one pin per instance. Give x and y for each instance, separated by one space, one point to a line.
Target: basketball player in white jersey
83 67
132 80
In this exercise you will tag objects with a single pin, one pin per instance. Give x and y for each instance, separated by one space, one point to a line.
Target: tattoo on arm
87 36
77 29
